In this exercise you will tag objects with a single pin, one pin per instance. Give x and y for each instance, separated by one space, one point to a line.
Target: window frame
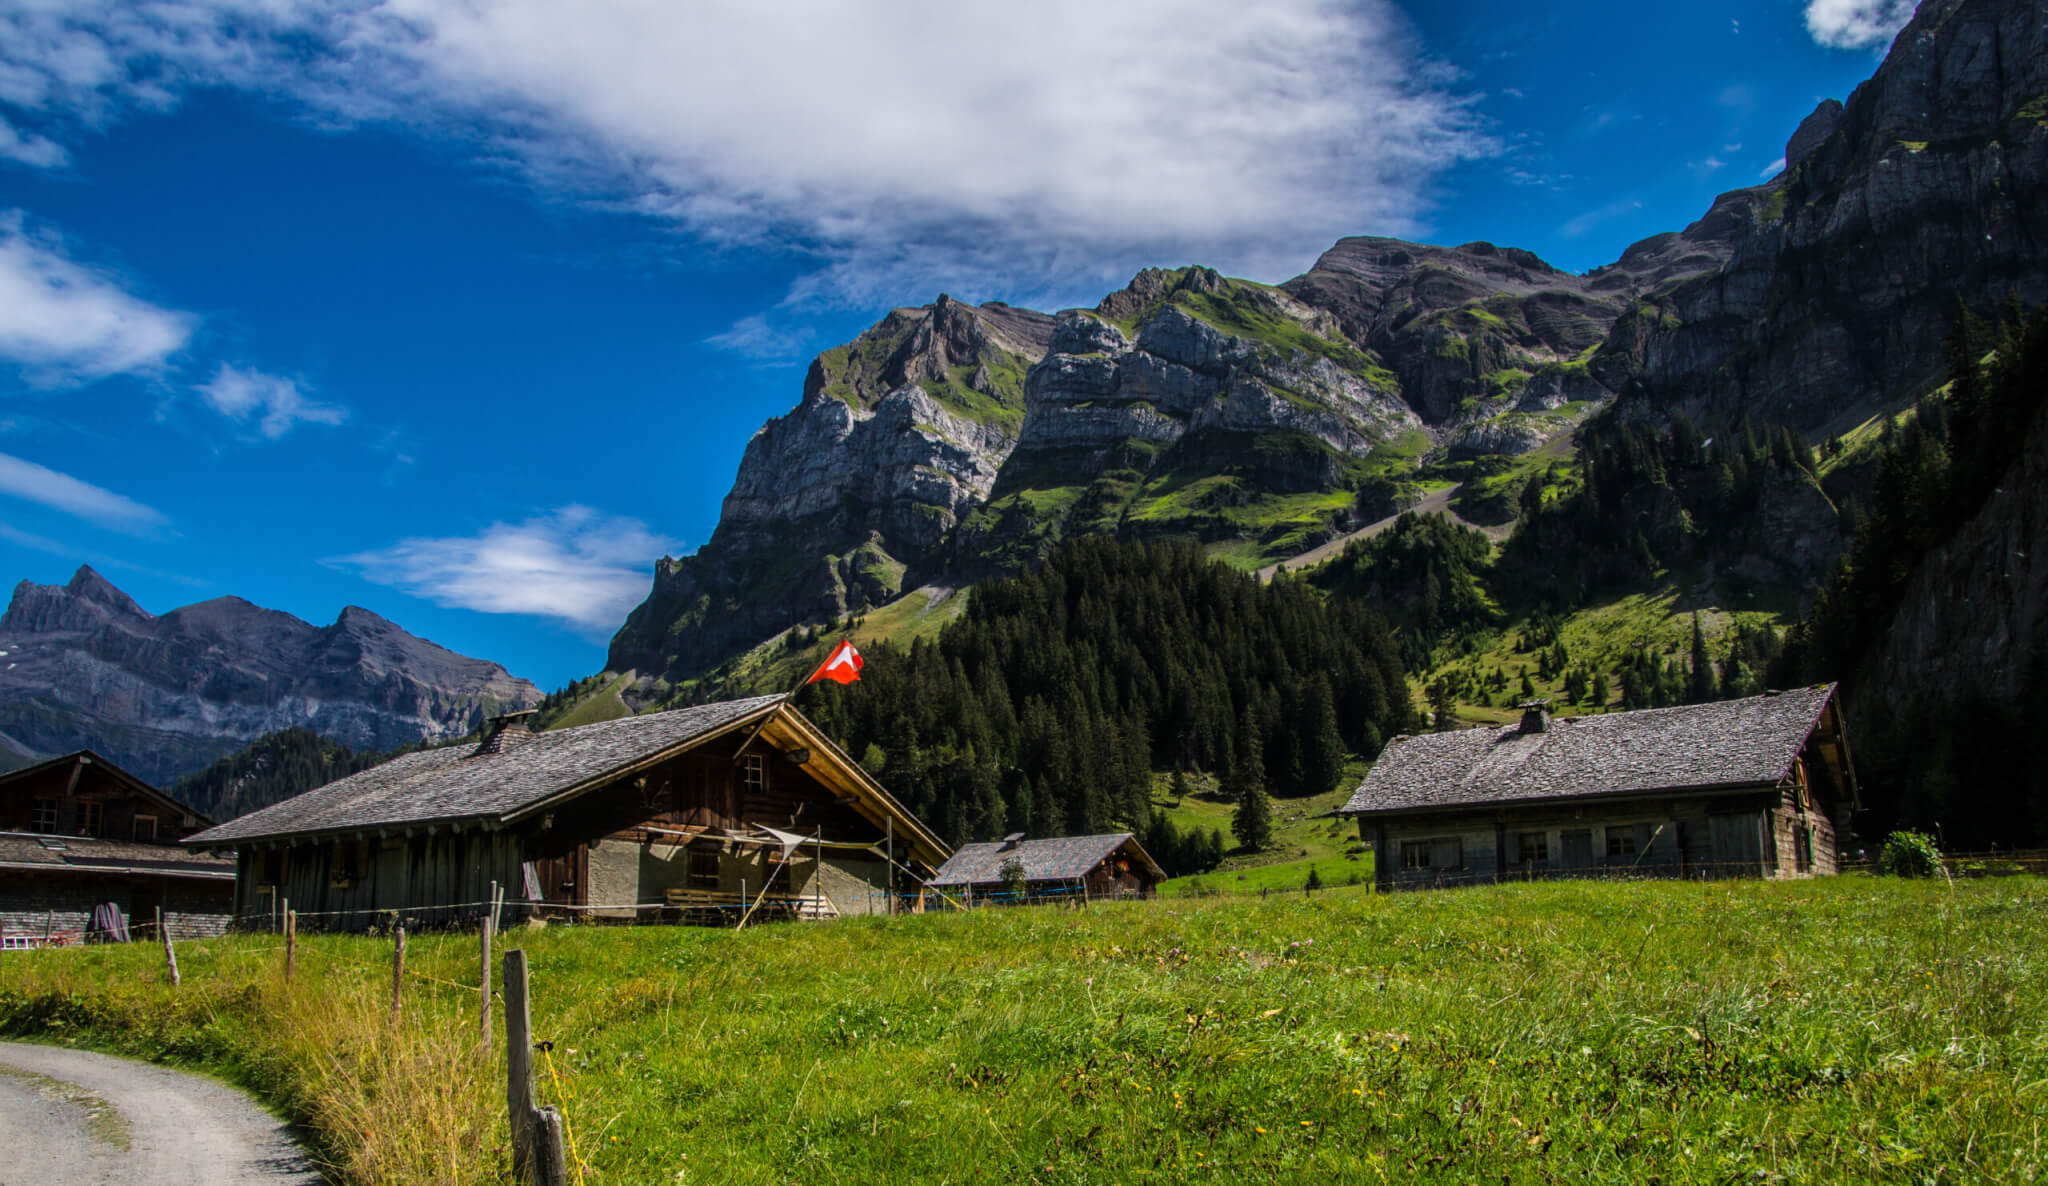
1427 848
1542 844
753 775
43 813
701 867
92 817
135 823
1621 841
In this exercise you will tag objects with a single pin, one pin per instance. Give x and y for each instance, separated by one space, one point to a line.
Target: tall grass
1849 1029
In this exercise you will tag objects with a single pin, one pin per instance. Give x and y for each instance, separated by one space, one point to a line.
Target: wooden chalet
1759 787
1082 868
697 814
87 850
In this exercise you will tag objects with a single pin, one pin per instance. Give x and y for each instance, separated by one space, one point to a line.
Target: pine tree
1701 688
1253 821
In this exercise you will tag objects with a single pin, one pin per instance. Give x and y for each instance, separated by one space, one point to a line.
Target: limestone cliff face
83 666
1929 184
899 433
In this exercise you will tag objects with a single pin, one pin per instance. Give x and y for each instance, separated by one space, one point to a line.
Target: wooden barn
696 814
88 850
1082 868
1759 787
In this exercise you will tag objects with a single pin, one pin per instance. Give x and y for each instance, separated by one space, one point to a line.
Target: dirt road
1437 503
75 1118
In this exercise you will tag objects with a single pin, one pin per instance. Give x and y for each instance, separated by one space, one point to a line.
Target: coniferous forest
1048 706
270 769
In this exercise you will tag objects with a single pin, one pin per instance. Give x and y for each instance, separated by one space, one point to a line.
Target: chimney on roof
1535 716
1011 841
503 732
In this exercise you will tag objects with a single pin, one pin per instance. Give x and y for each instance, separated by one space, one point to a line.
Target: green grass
605 704
1304 834
1600 636
1847 1029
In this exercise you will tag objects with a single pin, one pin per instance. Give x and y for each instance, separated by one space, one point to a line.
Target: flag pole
786 698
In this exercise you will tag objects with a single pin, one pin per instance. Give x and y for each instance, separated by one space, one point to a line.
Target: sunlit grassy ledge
1847 1029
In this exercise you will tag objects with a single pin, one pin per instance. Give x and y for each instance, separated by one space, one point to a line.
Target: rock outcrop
83 666
1929 186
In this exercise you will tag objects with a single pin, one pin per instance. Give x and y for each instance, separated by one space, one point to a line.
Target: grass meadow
1845 1029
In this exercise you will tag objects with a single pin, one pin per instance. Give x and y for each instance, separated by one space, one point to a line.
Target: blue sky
464 312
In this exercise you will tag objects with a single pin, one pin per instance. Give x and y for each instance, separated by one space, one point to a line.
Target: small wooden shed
1083 868
1759 787
698 814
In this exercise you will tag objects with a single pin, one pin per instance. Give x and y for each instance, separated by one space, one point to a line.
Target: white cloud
242 395
574 565
62 492
36 151
906 145
1774 168
1578 226
1857 24
66 322
756 337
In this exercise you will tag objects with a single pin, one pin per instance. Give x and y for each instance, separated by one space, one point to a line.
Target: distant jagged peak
88 585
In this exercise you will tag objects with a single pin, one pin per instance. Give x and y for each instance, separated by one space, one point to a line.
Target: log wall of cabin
358 880
123 813
1753 834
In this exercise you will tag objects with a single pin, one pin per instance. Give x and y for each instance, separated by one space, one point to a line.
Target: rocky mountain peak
1812 130
165 695
88 585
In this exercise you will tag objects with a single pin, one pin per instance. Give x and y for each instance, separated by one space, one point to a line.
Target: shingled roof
31 853
1060 858
457 783
1732 743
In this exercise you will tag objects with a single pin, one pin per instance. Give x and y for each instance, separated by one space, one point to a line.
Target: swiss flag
842 666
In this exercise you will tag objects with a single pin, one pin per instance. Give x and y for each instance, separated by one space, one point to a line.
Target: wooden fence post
539 1154
397 967
484 1007
291 941
170 957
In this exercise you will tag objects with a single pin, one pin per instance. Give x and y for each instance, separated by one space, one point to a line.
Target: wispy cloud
62 492
1043 146
273 403
65 322
1773 169
1857 24
1707 167
757 338
574 565
38 152
1592 218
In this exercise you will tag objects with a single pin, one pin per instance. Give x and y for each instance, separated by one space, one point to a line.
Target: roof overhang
119 871
86 757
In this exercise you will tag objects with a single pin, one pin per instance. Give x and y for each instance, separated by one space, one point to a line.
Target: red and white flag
842 666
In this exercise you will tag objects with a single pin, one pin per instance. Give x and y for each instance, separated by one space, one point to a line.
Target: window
91 813
704 868
145 829
1621 841
753 774
1433 854
1533 846
42 816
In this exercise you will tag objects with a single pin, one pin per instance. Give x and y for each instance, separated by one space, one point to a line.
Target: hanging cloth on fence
531 880
108 925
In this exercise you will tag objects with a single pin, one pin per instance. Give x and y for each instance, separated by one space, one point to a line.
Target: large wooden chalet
1759 787
696 813
87 849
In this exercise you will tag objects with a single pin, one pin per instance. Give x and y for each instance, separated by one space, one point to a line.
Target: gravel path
76 1118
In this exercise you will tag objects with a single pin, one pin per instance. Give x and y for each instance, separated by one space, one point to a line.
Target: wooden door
1578 848
564 875
1737 848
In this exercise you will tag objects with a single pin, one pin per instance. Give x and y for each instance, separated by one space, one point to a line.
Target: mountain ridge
163 695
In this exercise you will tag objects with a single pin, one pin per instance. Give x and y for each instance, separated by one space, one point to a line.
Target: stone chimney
1011 841
1535 716
503 732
